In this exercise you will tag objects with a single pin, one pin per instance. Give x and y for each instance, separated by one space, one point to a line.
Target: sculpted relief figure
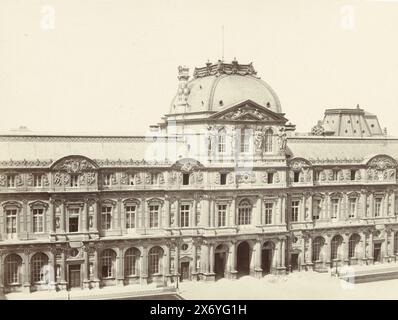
282 140
259 139
58 179
2 180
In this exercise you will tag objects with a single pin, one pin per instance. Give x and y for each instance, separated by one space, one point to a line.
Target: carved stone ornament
124 178
381 163
74 165
246 112
298 164
247 177
3 180
282 139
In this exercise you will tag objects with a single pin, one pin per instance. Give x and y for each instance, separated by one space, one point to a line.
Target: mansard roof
335 150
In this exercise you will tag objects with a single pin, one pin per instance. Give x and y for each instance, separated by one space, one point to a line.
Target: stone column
62 222
392 246
370 256
204 259
232 212
86 268
122 215
309 218
363 253
212 204
258 212
176 259
95 213
211 259
52 218
194 272
2 272
166 220
204 214
176 223
392 196
144 266
84 222
310 264
328 261
371 207
26 272
283 209
258 272
232 261
345 259
143 222
301 216
362 212
193 213
166 265
63 283
120 267
277 210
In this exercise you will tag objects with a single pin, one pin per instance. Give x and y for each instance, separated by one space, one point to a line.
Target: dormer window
154 178
11 180
74 180
296 176
185 179
37 180
107 179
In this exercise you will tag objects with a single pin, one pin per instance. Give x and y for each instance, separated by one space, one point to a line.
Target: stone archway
267 254
220 260
243 258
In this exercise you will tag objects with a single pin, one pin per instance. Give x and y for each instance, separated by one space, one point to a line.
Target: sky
106 66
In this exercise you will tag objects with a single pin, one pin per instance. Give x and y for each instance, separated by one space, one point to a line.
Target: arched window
353 243
268 140
39 260
108 259
13 265
155 256
335 247
132 260
317 246
244 212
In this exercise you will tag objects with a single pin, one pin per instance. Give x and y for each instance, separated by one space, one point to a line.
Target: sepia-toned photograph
198 150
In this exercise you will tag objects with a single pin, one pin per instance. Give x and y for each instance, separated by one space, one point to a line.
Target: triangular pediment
248 111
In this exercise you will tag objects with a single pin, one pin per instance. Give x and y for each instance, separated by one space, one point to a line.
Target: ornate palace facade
222 187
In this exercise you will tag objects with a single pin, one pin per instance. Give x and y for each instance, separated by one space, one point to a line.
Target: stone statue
259 139
282 140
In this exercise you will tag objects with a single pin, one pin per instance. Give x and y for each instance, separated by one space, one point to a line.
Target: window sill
15 284
133 276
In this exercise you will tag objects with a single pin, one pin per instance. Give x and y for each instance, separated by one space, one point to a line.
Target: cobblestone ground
299 285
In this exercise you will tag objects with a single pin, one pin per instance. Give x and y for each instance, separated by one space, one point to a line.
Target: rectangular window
221 143
107 179
352 207
74 224
269 208
270 177
131 179
11 221
130 217
38 220
244 141
222 213
37 180
11 180
353 173
185 179
154 216
316 209
154 178
296 176
377 207
335 175
295 210
316 175
223 178
106 217
335 209
184 215
74 180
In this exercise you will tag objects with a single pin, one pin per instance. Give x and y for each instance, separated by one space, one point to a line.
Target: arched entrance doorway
220 261
266 257
243 258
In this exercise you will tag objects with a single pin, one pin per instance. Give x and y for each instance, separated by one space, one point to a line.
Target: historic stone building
223 186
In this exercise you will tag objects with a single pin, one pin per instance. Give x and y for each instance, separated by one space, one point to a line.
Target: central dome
219 86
